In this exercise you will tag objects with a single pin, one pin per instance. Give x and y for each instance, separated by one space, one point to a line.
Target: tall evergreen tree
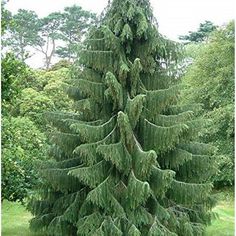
125 163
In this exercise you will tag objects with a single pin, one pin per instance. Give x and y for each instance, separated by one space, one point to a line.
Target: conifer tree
126 162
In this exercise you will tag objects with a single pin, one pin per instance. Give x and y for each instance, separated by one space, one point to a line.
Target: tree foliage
76 22
49 34
15 75
26 95
6 18
22 33
205 29
58 33
22 145
63 63
126 160
210 79
46 93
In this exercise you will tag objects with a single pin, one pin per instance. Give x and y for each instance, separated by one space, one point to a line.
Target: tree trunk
49 57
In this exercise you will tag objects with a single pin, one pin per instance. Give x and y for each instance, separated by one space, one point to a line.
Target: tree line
58 34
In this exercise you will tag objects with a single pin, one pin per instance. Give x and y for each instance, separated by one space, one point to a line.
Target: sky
175 17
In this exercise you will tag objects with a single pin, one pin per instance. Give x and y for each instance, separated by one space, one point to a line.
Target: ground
224 224
15 218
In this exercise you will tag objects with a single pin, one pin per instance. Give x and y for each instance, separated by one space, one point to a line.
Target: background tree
21 139
63 63
14 77
125 162
26 95
6 18
22 146
58 33
49 33
44 95
210 80
22 33
76 22
201 34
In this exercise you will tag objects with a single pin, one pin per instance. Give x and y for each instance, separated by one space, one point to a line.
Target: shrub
22 145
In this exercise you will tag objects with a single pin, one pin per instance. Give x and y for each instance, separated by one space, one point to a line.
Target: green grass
224 224
15 219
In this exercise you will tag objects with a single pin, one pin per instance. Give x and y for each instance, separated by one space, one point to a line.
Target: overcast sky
175 17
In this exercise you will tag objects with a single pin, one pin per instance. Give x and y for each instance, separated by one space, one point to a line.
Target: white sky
175 17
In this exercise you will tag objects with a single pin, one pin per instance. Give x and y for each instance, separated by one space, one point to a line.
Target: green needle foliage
125 162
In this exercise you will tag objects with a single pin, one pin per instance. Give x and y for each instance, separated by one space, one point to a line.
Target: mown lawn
224 225
15 219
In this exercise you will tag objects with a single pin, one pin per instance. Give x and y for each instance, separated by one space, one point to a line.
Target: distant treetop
201 34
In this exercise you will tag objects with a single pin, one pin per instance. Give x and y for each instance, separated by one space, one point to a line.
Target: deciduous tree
210 80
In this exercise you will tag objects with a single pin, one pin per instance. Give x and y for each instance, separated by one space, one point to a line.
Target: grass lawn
15 219
224 225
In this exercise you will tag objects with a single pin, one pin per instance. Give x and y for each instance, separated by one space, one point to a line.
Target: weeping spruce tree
126 162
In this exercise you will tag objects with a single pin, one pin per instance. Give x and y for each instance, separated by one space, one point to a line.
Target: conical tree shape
125 163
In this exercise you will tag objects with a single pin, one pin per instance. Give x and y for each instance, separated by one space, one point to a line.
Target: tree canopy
59 33
76 22
22 33
201 34
210 81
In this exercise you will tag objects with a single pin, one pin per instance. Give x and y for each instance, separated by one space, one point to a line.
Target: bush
15 76
22 145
